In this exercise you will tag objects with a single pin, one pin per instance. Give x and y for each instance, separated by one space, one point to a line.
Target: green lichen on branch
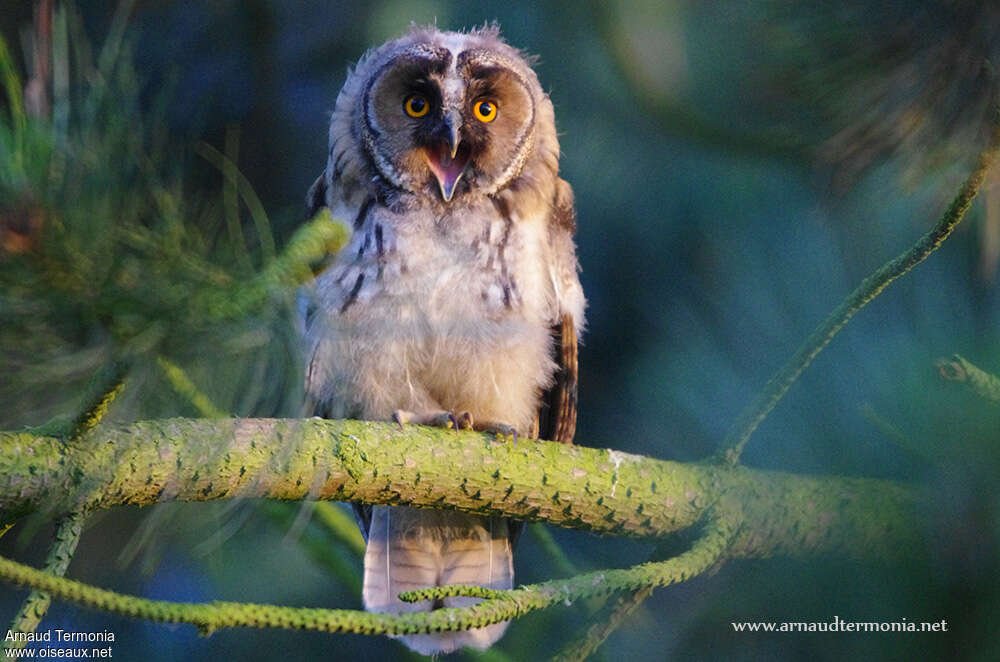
70 528
599 490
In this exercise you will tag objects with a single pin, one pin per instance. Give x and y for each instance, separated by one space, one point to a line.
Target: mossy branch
599 490
775 389
452 591
341 528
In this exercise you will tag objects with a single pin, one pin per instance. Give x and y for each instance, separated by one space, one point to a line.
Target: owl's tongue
446 169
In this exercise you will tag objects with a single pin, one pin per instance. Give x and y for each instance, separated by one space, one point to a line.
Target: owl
457 301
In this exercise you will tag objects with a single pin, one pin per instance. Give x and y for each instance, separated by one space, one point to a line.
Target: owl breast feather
455 308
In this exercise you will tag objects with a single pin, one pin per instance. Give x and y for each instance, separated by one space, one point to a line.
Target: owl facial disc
448 165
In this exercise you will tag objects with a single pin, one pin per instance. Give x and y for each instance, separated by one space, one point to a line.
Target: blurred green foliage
738 168
113 254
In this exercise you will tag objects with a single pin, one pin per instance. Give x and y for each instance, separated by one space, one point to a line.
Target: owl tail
410 549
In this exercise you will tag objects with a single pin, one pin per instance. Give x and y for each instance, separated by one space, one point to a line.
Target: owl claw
399 417
499 429
464 421
437 419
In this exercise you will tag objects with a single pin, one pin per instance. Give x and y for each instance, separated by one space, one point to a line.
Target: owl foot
497 428
454 421
437 419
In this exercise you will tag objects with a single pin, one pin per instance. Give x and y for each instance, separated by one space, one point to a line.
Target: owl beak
447 162
453 124
448 156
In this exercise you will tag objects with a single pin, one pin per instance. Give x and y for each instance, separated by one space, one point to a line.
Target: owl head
441 115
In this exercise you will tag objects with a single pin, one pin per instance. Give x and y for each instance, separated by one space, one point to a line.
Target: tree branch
749 513
599 490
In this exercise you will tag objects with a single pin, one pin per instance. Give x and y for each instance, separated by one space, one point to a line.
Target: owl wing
557 413
557 409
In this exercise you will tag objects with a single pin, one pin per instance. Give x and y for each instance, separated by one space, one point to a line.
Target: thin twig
602 627
186 388
757 411
612 617
704 554
61 553
110 381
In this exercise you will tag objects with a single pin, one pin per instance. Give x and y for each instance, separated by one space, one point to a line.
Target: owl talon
437 419
399 417
499 429
464 421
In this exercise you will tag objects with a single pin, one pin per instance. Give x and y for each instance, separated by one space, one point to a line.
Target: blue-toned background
738 169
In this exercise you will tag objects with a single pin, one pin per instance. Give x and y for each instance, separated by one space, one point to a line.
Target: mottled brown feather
557 416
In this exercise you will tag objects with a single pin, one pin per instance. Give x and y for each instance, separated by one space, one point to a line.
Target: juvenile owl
457 300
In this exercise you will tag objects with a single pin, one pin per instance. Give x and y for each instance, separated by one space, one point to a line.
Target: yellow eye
485 111
416 106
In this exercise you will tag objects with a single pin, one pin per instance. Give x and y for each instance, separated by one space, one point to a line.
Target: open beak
447 159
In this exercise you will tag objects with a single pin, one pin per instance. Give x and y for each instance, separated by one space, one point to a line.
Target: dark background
738 169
